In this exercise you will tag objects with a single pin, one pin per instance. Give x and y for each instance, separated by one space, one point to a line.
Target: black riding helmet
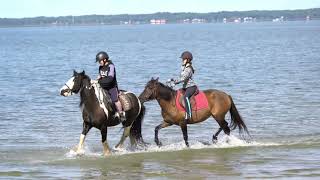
186 55
101 56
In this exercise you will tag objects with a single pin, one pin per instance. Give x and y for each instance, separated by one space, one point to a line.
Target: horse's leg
106 148
184 129
215 136
85 130
223 124
156 131
125 134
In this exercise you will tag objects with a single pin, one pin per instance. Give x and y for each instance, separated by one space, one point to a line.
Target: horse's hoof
119 146
79 152
214 139
159 144
106 154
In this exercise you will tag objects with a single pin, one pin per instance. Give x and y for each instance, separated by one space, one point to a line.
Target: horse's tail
236 119
135 131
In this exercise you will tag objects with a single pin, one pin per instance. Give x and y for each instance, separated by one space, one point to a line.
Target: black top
108 78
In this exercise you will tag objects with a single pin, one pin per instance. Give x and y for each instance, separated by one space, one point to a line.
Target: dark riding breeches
188 93
113 92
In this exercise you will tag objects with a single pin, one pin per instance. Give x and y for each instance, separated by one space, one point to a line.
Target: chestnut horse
219 103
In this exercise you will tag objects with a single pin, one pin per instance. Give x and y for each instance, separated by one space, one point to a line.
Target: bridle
69 89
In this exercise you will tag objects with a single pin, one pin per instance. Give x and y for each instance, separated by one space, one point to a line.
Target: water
272 71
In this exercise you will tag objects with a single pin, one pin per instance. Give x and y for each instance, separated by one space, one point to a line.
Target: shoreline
88 25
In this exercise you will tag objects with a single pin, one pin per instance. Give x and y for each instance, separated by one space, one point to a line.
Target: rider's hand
98 77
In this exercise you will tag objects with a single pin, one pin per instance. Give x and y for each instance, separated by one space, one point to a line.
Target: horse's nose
62 92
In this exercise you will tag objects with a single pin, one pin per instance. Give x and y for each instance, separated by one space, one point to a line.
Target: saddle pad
125 100
201 101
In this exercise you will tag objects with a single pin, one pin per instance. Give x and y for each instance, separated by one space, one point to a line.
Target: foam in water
85 152
223 142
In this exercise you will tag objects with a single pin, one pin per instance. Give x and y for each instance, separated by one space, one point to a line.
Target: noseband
69 89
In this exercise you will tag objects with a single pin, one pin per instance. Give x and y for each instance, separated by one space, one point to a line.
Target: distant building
158 21
237 20
307 18
224 20
198 20
248 19
278 19
186 21
126 22
232 20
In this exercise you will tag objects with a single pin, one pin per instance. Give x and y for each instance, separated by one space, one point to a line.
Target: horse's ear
157 79
83 73
74 72
152 79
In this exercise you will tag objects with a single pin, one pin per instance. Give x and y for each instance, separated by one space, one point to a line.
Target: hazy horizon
37 8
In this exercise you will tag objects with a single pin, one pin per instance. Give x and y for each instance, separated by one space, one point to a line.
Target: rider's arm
185 75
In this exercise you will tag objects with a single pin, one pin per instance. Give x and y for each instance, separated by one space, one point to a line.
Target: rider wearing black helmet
107 79
189 85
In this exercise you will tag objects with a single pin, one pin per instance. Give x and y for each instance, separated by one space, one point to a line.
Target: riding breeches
188 93
113 92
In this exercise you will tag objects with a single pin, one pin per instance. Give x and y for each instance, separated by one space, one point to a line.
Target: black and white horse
94 116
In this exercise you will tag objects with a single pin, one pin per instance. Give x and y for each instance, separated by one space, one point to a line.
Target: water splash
86 151
224 142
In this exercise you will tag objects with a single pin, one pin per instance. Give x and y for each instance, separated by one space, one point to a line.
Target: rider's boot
188 114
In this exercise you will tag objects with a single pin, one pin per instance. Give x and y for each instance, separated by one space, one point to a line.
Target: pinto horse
94 116
219 103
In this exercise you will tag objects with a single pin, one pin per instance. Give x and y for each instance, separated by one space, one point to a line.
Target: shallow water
271 70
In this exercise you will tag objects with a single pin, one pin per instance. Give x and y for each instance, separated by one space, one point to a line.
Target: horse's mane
85 82
166 92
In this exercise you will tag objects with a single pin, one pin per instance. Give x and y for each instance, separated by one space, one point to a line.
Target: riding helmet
186 55
101 56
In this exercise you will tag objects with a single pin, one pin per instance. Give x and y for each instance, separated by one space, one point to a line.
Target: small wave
224 142
86 151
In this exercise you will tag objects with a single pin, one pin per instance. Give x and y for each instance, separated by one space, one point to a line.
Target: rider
188 84
108 81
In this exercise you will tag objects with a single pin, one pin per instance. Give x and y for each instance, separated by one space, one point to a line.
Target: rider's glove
170 80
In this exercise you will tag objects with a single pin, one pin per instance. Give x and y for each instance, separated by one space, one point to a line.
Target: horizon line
159 12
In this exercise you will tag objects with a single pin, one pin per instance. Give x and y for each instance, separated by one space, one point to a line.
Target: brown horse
219 103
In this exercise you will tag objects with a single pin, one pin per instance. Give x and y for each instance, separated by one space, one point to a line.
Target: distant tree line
169 17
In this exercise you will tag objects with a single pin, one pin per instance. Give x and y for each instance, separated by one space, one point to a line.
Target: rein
68 88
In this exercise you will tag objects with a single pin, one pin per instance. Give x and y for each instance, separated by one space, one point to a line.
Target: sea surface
272 71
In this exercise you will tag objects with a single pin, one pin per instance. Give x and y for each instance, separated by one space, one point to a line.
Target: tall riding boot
188 110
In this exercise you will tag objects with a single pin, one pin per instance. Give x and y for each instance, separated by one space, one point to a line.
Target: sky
34 8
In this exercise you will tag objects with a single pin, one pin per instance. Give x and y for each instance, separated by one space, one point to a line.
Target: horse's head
150 91
74 84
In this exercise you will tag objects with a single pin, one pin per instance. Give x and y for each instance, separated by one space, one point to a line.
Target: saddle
104 99
125 100
198 100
